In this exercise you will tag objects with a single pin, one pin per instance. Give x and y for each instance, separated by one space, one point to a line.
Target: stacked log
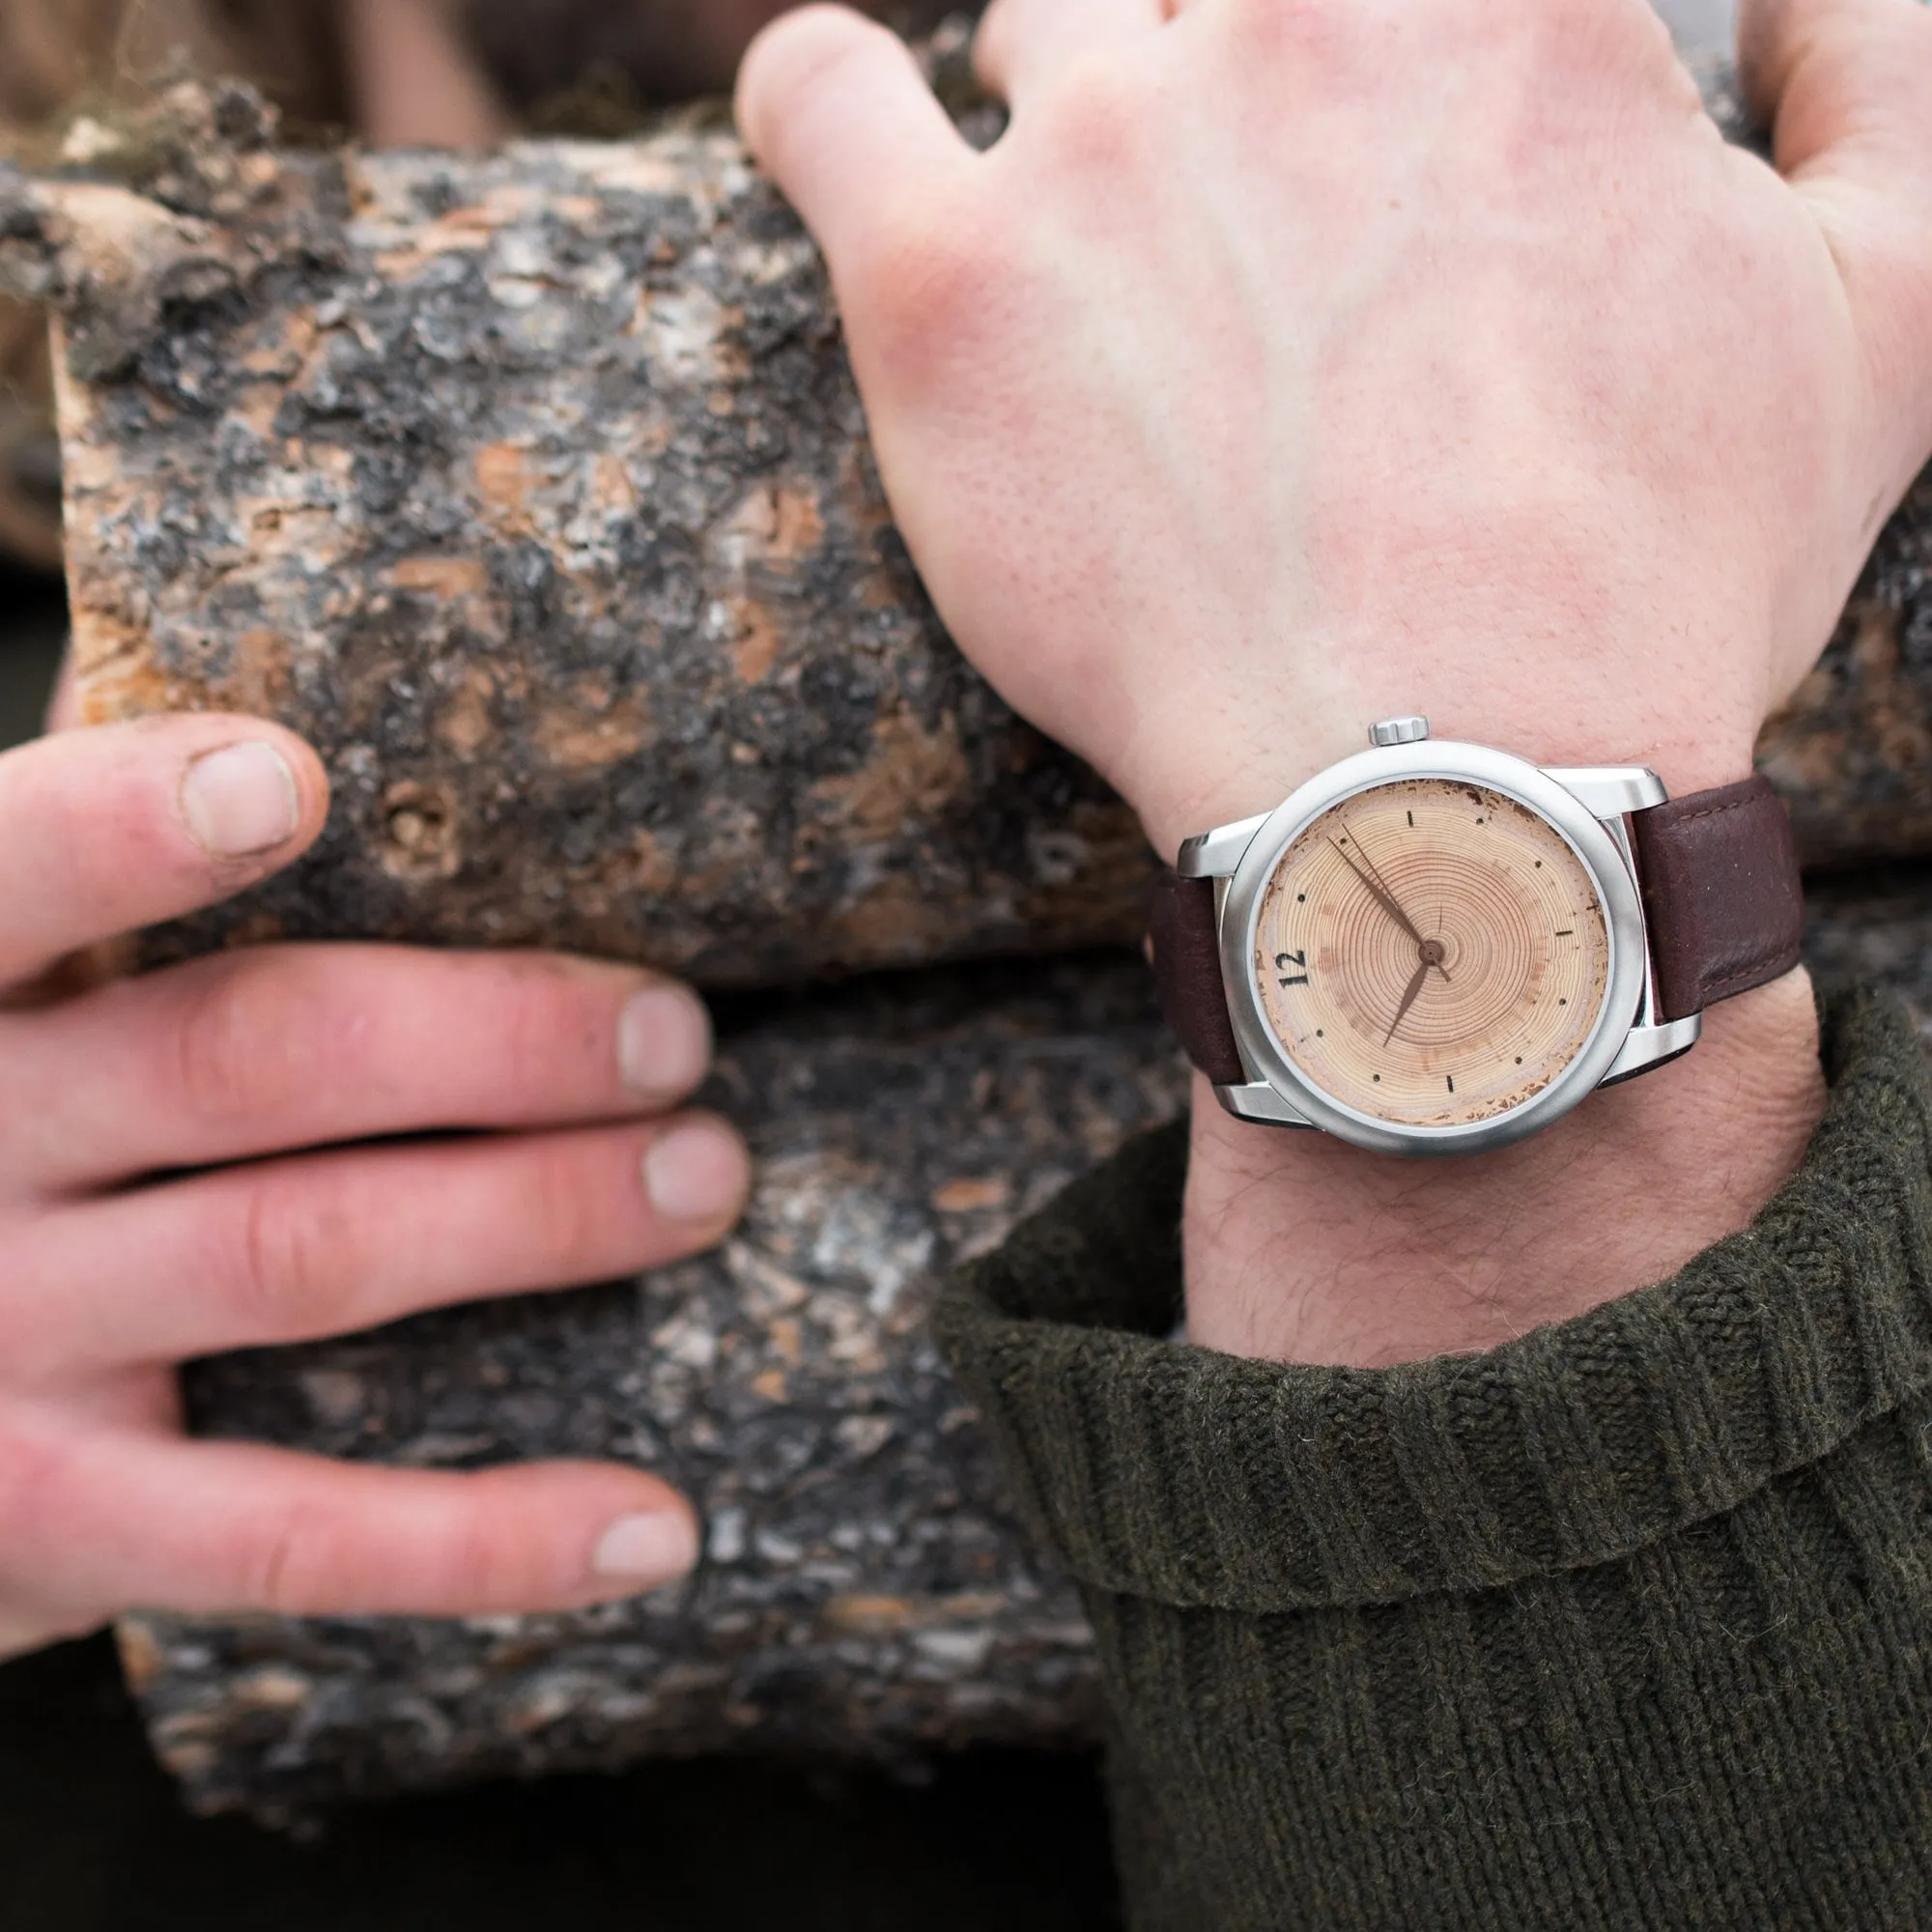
534 490
865 1588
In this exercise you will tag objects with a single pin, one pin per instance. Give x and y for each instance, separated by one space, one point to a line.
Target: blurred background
92 1838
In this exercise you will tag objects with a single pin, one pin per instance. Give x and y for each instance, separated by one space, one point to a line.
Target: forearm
1618 1623
1302 1248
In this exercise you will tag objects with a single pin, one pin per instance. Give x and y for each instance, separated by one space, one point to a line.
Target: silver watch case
1587 808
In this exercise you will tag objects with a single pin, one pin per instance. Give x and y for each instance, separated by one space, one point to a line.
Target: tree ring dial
1431 953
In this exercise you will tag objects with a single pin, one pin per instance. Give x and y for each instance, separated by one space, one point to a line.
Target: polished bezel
1529 787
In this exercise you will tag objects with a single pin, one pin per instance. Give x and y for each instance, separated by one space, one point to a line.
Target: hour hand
1409 996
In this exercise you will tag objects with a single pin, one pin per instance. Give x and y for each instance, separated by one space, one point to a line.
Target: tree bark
534 488
865 1588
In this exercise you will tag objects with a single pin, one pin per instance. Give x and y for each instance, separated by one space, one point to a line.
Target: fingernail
240 800
664 1041
647 1548
694 1172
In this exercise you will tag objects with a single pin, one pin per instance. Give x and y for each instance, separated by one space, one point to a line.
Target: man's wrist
1302 1248
1249 768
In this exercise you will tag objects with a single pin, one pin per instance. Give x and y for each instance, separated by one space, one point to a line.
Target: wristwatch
1436 948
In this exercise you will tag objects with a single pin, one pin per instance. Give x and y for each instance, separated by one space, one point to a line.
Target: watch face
1431 953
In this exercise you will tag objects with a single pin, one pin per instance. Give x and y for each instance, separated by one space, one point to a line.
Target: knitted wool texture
1625 1624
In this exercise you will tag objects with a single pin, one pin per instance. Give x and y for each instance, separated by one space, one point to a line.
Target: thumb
111 828
1845 87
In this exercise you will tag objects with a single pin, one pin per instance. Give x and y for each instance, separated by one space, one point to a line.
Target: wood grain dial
1431 953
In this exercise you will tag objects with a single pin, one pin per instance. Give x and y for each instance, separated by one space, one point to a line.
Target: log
865 1590
534 488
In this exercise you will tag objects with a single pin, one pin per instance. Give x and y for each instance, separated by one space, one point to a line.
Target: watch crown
1399 732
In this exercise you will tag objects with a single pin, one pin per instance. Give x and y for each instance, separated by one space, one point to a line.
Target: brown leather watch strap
1185 946
1721 894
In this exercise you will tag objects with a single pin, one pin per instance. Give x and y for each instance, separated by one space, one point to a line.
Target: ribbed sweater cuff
1193 1478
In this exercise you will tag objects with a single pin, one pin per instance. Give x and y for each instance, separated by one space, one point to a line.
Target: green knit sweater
1626 1624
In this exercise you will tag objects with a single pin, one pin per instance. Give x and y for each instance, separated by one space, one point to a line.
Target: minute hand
1382 896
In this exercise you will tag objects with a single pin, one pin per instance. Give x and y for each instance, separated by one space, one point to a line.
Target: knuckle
563 1206
39 1336
923 285
295 1565
288 1257
471 1571
311 1561
35 1482
1293 30
544 1025
1099 116
231 1055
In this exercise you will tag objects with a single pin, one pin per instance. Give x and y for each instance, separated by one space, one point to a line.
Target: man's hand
1291 363
199 1160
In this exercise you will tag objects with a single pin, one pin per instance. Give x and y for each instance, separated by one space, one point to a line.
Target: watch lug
1608 791
1259 1102
1218 854
1649 1047
1611 793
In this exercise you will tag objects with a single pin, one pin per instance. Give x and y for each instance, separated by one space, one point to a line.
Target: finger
1022 44
293 1250
1823 74
63 699
273 1048
123 1520
28 1625
837 113
1846 88
415 81
107 830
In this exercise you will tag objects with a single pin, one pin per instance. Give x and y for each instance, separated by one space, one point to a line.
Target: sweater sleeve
1625 1624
